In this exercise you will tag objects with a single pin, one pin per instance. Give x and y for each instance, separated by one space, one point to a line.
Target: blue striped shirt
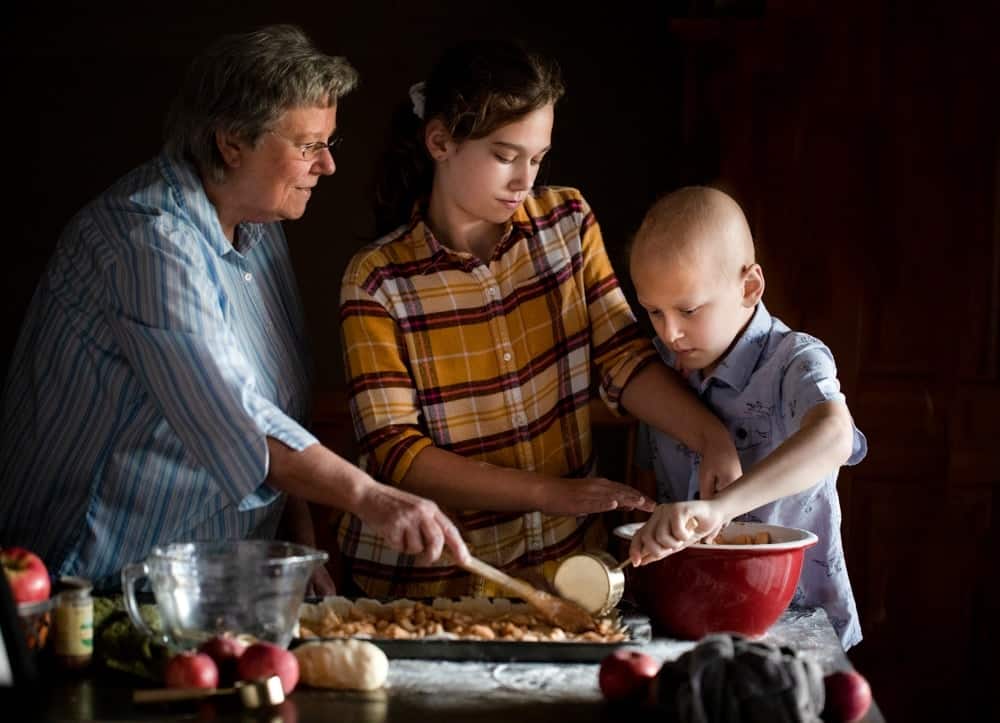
154 361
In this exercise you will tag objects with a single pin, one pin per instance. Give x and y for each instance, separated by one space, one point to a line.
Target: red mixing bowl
721 588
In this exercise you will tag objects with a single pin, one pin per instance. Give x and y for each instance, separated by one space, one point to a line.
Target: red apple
225 650
26 573
848 697
626 674
191 669
262 660
222 647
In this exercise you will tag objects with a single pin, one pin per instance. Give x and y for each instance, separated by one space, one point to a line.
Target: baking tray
508 651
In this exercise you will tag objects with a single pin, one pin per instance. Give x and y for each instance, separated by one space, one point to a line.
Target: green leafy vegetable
120 645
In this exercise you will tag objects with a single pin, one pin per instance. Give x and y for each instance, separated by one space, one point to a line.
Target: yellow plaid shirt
496 362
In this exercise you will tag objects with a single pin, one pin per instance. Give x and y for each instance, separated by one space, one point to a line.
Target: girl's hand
570 496
719 467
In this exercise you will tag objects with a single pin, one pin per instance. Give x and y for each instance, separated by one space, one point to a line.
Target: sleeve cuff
243 477
612 387
285 429
400 458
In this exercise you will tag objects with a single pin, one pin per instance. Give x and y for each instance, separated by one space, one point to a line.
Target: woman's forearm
408 522
316 474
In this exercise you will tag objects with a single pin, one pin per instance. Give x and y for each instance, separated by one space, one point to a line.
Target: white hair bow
418 99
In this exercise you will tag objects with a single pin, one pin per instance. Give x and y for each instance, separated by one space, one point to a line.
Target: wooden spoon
252 693
562 613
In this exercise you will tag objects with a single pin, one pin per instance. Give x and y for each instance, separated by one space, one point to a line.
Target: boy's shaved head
692 266
692 222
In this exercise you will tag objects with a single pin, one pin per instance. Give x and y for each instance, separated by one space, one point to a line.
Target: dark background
861 138
92 84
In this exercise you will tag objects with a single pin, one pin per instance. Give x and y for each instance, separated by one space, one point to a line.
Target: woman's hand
673 527
575 496
410 524
297 526
321 583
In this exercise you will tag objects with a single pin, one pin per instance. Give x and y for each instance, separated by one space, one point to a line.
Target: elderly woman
158 391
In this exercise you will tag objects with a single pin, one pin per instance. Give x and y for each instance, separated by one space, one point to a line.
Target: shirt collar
738 364
426 244
189 193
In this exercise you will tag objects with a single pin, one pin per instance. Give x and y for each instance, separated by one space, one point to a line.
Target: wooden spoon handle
167 695
518 587
622 565
561 613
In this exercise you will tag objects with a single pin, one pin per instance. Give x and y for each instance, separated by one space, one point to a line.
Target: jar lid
74 587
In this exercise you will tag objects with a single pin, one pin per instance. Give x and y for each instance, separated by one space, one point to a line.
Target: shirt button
520 420
507 356
248 276
494 291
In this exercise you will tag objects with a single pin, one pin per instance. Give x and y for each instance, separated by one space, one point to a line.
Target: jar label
74 630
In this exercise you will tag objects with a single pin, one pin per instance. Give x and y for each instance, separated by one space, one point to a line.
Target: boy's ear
753 285
229 147
437 139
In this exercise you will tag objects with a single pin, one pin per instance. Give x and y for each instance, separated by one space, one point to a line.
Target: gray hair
242 84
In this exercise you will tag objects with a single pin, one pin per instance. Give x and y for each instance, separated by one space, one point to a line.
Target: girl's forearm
659 397
459 483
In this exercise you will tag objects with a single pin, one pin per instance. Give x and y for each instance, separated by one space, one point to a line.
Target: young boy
692 263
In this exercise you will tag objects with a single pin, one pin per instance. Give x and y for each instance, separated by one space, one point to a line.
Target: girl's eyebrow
519 148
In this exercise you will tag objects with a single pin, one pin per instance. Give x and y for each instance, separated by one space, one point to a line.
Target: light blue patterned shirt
154 361
765 384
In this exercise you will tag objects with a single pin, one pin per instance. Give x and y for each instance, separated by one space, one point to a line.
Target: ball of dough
344 664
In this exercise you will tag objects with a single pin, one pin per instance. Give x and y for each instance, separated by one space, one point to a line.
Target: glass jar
74 623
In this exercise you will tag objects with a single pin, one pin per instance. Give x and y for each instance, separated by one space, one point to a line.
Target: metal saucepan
593 580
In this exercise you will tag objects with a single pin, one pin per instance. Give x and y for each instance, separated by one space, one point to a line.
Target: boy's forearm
821 445
659 397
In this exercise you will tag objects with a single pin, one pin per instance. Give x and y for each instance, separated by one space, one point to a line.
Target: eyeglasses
312 151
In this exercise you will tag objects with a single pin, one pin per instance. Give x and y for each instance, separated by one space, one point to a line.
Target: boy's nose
671 331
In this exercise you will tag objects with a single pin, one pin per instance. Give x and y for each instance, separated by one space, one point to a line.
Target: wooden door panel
866 153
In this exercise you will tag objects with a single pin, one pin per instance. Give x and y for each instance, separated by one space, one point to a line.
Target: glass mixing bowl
244 587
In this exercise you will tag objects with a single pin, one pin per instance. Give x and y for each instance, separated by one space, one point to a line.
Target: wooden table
422 691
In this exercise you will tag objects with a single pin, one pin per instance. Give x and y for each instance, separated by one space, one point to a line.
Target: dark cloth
727 678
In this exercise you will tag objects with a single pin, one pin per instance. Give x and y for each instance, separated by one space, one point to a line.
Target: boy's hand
673 527
719 467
